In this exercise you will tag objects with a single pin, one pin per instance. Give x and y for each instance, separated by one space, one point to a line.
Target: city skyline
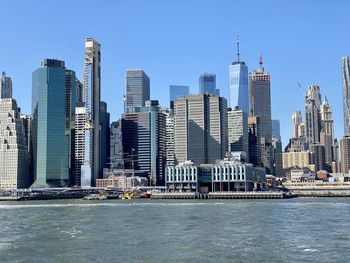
289 50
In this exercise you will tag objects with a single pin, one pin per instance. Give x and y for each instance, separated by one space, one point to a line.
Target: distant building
317 153
296 159
296 122
207 84
116 145
254 141
105 137
276 130
277 157
144 141
137 89
312 117
345 154
5 86
200 128
346 94
170 137
176 92
14 165
238 131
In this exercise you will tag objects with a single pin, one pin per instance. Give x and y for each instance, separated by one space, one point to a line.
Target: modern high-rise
137 90
260 106
50 136
88 146
327 130
144 141
207 84
200 128
276 130
346 94
260 100
105 137
176 92
238 75
5 86
170 137
14 168
345 154
277 157
254 140
237 131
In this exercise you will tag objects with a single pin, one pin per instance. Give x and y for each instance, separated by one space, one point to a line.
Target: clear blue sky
175 41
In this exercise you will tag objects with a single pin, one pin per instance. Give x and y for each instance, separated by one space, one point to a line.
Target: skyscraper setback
5 86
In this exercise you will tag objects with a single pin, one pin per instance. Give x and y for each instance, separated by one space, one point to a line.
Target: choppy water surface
296 230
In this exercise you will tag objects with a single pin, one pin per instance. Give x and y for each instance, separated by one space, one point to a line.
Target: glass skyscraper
346 94
207 84
50 143
239 86
176 92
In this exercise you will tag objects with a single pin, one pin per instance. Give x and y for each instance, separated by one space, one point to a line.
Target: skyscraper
207 84
346 94
49 130
254 140
116 144
312 114
237 131
105 137
5 86
200 128
14 168
144 140
276 129
87 150
177 91
238 74
137 89
296 122
327 131
260 106
345 154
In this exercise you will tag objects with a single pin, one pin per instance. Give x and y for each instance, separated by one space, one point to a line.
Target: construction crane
303 91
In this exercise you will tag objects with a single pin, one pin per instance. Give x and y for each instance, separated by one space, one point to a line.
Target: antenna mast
237 46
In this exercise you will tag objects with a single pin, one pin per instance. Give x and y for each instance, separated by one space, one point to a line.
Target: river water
294 230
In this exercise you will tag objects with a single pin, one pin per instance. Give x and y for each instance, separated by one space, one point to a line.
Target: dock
222 195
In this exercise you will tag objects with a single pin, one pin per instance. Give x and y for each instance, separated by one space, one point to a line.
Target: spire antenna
261 69
237 46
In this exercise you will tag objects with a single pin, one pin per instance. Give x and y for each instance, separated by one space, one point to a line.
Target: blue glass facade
239 86
176 92
50 143
207 84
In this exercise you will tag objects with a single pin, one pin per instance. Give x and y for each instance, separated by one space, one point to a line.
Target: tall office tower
51 123
137 90
105 136
238 131
297 120
346 94
238 74
254 140
87 150
79 90
70 103
144 133
5 86
336 157
345 154
312 114
14 171
277 157
200 128
317 153
27 126
176 92
207 84
276 130
170 137
327 130
116 143
260 106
